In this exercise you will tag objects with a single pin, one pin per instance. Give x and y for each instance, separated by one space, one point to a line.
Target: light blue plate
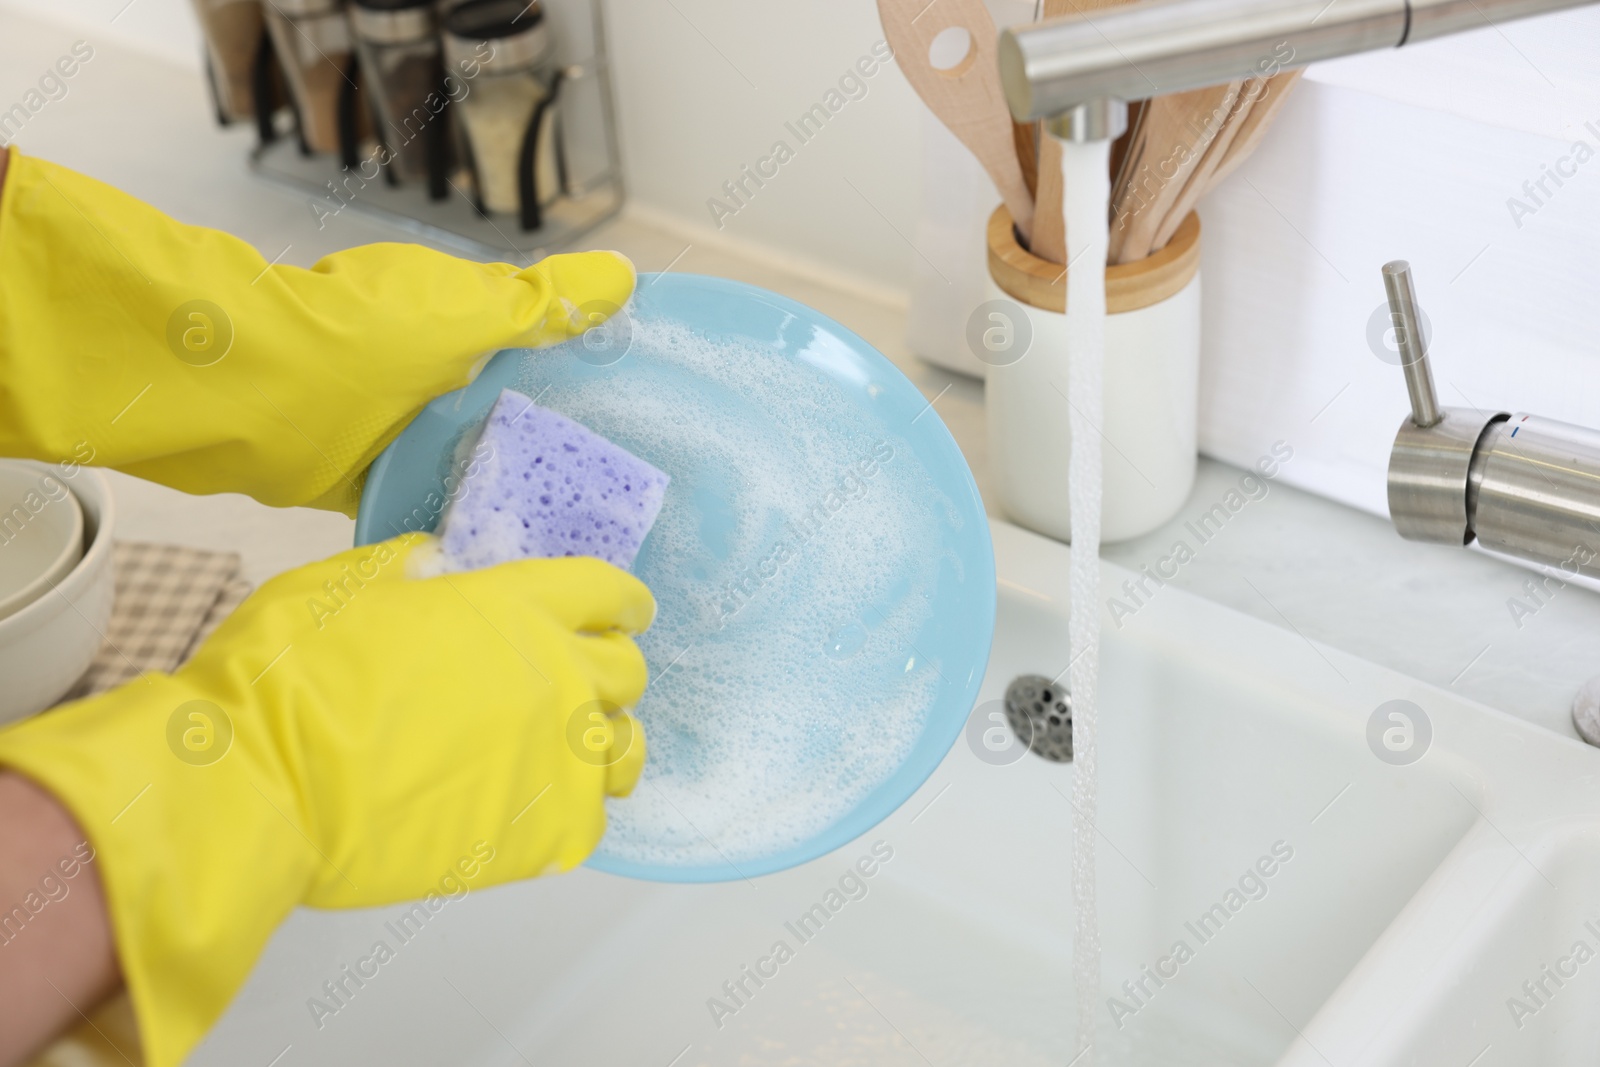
407 483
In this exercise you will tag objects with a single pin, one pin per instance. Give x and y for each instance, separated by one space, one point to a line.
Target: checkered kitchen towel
168 600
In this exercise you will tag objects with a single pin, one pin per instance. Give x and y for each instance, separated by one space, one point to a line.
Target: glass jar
400 59
507 118
312 39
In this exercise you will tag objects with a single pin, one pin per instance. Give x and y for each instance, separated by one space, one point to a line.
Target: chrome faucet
1078 72
1518 484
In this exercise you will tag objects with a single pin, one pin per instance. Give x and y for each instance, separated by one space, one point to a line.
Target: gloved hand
176 353
347 738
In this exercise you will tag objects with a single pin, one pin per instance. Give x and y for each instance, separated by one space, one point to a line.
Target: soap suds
793 560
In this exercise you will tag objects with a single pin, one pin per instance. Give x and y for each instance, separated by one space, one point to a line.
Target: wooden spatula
1124 150
1178 128
1131 158
1254 126
966 97
1200 179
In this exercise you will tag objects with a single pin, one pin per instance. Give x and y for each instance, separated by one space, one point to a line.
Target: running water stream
1085 178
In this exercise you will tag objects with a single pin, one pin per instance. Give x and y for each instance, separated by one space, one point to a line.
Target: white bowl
41 532
47 645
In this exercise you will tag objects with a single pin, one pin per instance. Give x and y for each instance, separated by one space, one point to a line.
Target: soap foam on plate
792 561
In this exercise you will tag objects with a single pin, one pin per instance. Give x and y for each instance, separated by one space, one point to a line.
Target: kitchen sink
1288 874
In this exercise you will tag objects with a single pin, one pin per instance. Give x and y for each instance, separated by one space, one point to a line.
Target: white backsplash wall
1537 75
708 87
1292 249
163 28
1411 154
704 88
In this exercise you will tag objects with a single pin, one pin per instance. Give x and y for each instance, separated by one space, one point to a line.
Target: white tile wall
1293 243
1410 154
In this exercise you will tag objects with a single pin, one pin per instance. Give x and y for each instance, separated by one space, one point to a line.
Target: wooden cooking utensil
1025 138
1124 150
1200 179
1049 240
966 97
1254 126
1178 128
1124 165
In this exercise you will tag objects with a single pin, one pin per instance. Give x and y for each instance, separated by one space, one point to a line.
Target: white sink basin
1402 909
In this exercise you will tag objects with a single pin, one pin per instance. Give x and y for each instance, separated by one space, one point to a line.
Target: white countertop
1298 561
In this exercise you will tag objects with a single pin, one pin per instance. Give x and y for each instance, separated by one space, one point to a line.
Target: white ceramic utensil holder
1152 380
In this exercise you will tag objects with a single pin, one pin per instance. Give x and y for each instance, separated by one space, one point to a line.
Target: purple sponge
549 487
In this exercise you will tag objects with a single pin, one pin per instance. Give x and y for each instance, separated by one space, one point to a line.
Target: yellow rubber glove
350 737
177 353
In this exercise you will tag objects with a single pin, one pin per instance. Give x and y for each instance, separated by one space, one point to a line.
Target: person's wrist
154 776
53 920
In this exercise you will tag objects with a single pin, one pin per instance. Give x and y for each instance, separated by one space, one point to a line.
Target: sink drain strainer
1040 714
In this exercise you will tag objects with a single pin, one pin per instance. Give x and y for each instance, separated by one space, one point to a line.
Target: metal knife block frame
586 126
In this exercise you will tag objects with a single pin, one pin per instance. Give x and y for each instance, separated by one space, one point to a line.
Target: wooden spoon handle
1049 224
1178 128
1025 138
1124 187
966 97
1200 180
1268 104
